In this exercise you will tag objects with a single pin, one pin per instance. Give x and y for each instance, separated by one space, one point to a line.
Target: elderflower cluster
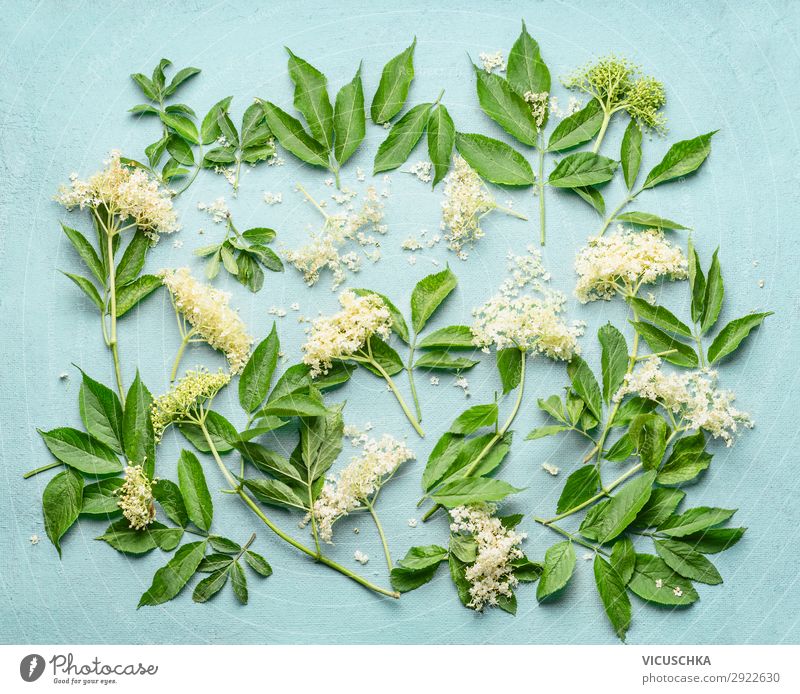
539 103
692 396
181 401
126 192
359 481
324 249
466 201
211 318
619 85
622 261
492 575
136 497
344 333
493 61
528 321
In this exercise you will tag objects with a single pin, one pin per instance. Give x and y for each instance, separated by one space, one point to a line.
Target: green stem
378 525
393 387
236 487
510 212
44 468
412 383
572 536
179 355
312 201
616 211
112 291
699 342
540 184
194 174
602 133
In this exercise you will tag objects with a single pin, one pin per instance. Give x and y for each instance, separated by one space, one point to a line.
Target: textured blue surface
65 91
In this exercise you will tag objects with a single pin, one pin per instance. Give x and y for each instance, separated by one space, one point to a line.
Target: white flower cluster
359 481
573 106
692 396
208 312
136 497
344 333
622 261
423 171
126 192
189 393
528 321
217 210
324 250
493 61
466 201
539 103
492 574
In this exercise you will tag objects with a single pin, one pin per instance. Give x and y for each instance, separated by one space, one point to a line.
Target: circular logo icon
31 667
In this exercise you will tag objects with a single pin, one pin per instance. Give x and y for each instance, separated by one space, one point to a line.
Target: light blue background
65 92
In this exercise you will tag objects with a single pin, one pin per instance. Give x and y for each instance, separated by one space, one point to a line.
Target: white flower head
466 201
622 261
136 497
190 392
344 333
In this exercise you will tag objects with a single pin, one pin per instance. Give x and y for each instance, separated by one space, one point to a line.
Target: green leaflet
714 540
660 506
660 316
631 153
683 158
506 107
654 581
526 71
613 359
443 360
86 252
694 520
221 432
194 490
576 129
80 451
687 460
623 559
402 138
428 295
170 579
101 412
417 567
509 364
559 564
659 341
645 219
472 490
349 121
474 418
649 435
133 292
582 169
451 337
311 99
132 261
715 293
61 505
611 588
125 539
169 497
441 139
257 374
620 510
580 486
398 321
290 133
585 385
494 160
732 335
687 562
99 498
393 87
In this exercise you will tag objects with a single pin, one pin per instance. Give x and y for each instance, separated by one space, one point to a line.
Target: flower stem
409 415
378 525
312 201
616 211
112 290
571 536
412 383
236 487
540 184
510 212
44 468
179 355
602 133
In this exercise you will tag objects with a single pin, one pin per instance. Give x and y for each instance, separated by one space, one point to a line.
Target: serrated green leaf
623 559
593 196
645 219
542 432
276 493
170 579
311 99
715 293
257 373
732 335
181 125
138 437
132 261
86 251
612 592
472 490
476 417
631 153
694 520
87 288
100 499
687 562
402 138
687 460
349 121
509 365
655 582
393 87
659 316
660 506
613 359
714 540
576 129
101 412
585 385
494 160
258 563
659 341
619 511
194 490
450 337
210 586
506 107
683 158
290 133
436 359
61 505
649 435
559 564
132 293
169 497
441 139
81 451
582 169
428 295
580 486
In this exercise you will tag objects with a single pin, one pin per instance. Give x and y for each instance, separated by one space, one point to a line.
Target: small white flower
34 539
360 557
412 522
659 583
434 380
677 592
493 61
273 198
552 469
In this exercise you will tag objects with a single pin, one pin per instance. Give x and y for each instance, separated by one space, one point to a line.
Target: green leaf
147 87
509 364
731 336
494 160
441 139
311 99
687 562
239 582
170 579
276 493
423 557
132 261
349 121
398 322
99 498
714 540
179 78
443 360
559 564
472 490
623 559
88 288
428 295
214 562
542 432
649 435
697 282
222 433
715 292
620 510
527 571
320 442
86 252
451 337
255 131
137 427
209 129
101 412
219 156
474 418
258 563
694 520
655 582
660 316
81 451
269 462
683 158
290 133
630 153
132 293
621 450
687 460
645 219
169 497
613 359
294 405
210 586
585 385
576 129
181 125
582 169
224 545
180 150
393 87
580 486
464 548
194 490
593 196
458 573
402 138
123 538
505 107
554 407
660 506
659 341
257 374
526 70
612 592
61 505
630 409
404 579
